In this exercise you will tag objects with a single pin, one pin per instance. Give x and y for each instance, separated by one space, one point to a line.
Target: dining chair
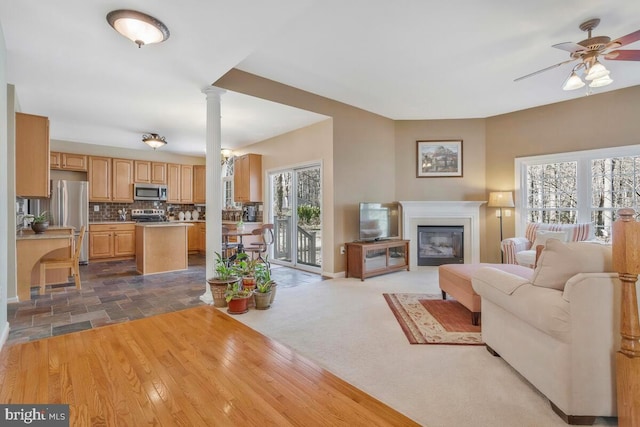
73 263
228 249
266 239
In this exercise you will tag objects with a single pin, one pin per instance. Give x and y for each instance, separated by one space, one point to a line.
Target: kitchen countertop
43 236
164 224
112 222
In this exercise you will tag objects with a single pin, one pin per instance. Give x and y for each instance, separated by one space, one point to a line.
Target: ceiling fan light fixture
596 71
573 82
138 27
154 140
602 81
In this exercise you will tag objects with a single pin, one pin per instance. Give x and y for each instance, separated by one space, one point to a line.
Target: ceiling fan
587 53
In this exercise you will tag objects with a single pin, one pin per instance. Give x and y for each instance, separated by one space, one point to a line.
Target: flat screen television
379 221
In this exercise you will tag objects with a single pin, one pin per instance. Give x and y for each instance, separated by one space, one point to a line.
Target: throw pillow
543 235
559 261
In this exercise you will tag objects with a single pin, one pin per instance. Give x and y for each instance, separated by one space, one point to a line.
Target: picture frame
439 158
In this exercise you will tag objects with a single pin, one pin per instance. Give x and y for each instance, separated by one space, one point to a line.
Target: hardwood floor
194 367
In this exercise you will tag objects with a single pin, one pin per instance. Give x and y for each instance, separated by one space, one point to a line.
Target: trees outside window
583 186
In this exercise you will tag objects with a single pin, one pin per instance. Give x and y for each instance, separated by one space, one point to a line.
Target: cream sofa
522 250
560 329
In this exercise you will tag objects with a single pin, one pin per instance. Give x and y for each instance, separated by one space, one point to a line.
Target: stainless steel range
148 215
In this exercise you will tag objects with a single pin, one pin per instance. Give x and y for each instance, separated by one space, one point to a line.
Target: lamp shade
572 82
596 71
154 140
500 199
602 81
138 27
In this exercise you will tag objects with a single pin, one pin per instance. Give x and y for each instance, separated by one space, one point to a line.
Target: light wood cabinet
173 183
68 161
150 172
193 237
247 178
99 179
202 229
108 241
366 259
122 174
32 156
199 184
186 184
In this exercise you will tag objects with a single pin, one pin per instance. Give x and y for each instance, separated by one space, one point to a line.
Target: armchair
521 250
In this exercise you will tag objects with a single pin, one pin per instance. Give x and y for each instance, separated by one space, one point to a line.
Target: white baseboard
338 275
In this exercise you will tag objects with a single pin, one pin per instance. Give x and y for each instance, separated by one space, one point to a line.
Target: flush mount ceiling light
138 27
154 140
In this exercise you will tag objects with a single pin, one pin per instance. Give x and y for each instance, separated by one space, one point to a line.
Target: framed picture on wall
439 158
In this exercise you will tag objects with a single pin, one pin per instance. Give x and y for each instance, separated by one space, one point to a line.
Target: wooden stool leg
76 275
43 274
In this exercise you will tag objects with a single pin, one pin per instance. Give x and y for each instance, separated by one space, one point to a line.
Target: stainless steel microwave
150 192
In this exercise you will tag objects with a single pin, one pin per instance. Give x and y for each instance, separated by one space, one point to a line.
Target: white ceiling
407 59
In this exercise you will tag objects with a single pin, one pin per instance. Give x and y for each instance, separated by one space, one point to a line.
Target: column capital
213 90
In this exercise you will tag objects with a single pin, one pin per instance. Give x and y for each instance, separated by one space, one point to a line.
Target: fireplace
443 213
440 244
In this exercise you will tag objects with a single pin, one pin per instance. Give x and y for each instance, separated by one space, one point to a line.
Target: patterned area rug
427 319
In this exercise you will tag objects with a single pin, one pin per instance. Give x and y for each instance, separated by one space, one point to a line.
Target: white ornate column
213 184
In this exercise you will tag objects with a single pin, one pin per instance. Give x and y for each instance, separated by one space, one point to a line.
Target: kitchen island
161 247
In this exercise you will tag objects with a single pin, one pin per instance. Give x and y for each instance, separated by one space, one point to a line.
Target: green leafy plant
223 270
308 214
235 290
263 278
245 266
42 217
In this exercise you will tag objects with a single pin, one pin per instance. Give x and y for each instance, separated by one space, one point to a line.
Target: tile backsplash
109 211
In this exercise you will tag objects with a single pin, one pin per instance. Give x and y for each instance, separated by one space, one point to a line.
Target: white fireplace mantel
464 213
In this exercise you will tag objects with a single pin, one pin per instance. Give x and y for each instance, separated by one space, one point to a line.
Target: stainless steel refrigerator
69 207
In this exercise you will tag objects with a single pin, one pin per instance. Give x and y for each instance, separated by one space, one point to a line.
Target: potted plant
264 287
225 276
245 267
40 222
237 298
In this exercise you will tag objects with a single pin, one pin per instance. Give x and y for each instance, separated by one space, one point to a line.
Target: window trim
583 171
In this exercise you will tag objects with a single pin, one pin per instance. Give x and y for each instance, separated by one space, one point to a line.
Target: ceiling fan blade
545 69
624 40
624 55
569 46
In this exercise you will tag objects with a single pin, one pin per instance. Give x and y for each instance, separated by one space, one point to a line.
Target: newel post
626 261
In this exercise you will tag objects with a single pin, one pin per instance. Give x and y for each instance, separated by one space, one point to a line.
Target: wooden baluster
626 261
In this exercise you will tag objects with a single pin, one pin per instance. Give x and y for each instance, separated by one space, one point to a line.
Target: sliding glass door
295 211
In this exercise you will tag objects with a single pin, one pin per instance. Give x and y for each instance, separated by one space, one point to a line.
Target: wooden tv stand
366 259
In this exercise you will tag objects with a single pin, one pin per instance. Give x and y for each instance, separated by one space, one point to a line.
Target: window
582 186
227 185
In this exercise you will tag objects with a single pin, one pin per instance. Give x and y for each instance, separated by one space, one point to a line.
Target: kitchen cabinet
109 241
247 178
173 183
122 181
110 180
199 184
32 156
193 237
202 229
150 172
68 161
179 183
99 179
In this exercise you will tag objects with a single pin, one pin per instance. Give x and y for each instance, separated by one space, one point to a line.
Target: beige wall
311 144
604 120
7 210
363 153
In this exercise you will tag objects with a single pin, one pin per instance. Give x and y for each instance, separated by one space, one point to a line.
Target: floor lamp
626 261
501 199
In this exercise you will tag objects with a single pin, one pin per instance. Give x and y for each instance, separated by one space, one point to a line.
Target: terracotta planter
39 227
262 299
218 288
238 305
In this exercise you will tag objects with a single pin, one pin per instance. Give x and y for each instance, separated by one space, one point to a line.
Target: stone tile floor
112 292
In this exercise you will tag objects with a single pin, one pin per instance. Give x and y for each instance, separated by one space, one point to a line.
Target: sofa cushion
560 261
543 235
526 258
574 232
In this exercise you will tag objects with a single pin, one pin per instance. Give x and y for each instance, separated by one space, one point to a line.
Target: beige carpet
427 319
347 327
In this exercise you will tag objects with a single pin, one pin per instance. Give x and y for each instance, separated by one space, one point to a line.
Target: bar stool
266 235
